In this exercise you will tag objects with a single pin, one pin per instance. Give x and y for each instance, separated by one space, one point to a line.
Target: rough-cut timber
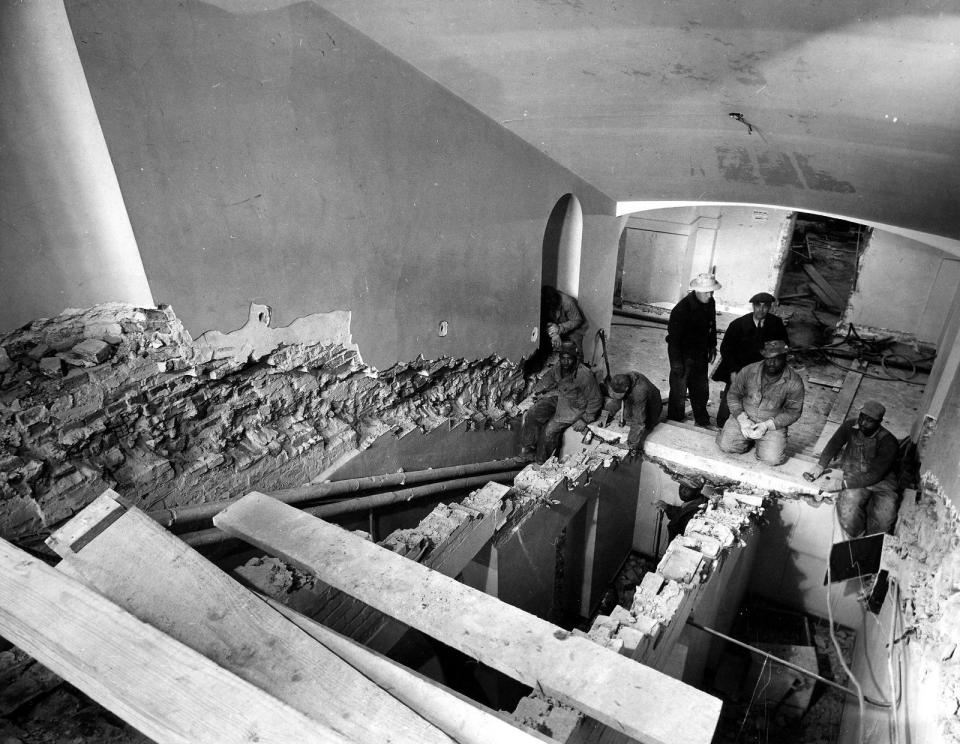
166 690
626 696
193 601
464 720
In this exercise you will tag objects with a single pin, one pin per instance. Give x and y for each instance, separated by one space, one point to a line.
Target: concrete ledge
687 450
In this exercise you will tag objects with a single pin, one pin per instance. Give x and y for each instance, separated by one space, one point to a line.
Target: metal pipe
178 515
361 503
641 315
773 658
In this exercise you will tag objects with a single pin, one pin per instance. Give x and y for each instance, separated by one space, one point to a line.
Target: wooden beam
626 696
825 287
466 721
195 602
848 391
166 690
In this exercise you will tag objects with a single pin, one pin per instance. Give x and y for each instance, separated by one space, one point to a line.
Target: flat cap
873 409
762 297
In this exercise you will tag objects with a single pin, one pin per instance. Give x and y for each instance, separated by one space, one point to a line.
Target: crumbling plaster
119 396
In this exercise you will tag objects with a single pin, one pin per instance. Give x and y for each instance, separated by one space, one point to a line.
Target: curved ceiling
846 107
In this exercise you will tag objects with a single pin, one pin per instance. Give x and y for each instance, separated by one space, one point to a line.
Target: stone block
51 366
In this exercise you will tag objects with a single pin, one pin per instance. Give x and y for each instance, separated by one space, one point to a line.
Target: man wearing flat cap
742 342
764 398
691 346
869 496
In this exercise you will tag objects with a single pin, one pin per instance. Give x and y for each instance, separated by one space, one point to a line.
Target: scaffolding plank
463 719
848 391
166 690
827 292
643 703
198 604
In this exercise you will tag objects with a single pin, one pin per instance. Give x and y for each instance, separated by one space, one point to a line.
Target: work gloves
751 430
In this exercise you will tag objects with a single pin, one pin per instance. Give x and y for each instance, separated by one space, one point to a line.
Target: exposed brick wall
118 396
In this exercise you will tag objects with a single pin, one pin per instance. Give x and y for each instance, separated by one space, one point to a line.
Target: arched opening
562 241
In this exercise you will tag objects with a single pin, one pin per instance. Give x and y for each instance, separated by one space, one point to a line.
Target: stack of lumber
150 629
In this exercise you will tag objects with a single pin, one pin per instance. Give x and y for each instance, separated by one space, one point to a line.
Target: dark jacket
642 407
742 342
866 460
578 395
568 317
692 329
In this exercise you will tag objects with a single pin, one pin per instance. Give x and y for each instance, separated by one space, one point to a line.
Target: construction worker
642 406
869 494
560 320
742 342
572 398
691 346
765 398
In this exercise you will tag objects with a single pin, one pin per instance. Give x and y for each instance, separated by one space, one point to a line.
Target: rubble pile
926 568
121 397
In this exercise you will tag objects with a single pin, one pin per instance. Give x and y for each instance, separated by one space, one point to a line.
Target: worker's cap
774 349
762 298
568 348
705 283
619 385
873 409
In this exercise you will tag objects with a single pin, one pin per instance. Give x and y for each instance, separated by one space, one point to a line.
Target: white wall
665 248
903 286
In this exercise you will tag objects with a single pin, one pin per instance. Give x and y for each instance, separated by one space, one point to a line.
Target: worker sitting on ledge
869 497
572 398
764 399
642 406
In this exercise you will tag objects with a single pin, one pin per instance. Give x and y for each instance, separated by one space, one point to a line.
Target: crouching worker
572 399
642 406
764 399
869 496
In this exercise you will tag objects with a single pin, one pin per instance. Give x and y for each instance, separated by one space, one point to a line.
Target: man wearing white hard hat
691 346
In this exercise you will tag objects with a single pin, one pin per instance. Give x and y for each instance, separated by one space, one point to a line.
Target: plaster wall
281 157
667 247
791 561
904 286
749 253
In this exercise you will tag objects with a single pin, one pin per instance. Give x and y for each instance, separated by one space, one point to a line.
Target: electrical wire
894 692
836 646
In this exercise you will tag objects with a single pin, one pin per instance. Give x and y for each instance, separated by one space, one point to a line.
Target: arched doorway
562 240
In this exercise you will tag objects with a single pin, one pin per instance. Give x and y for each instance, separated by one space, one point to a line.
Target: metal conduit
784 662
204 512
361 503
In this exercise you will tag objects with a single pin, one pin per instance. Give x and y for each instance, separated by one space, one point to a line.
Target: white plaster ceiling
854 105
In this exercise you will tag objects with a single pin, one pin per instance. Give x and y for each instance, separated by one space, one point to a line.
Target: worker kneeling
641 405
764 399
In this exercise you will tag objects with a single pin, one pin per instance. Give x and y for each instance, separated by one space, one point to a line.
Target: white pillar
66 236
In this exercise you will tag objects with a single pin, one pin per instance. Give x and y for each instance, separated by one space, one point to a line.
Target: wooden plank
466 721
627 696
204 608
166 690
830 382
848 391
825 299
826 287
829 428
